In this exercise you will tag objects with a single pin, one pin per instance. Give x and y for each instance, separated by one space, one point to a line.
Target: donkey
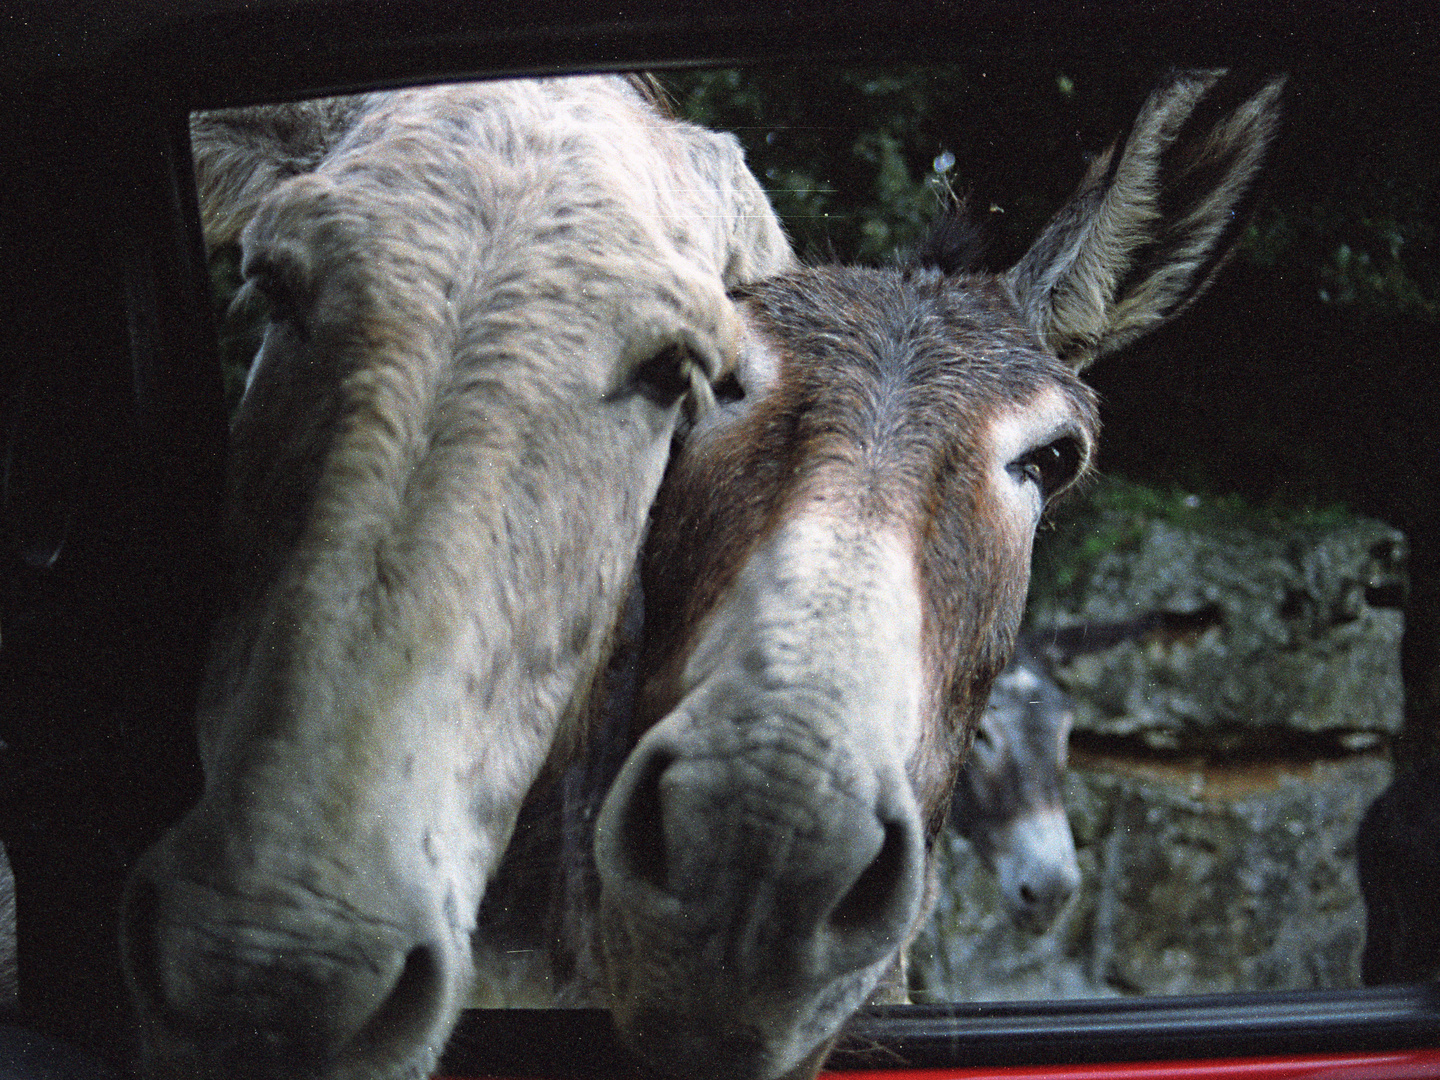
834 576
488 304
1007 801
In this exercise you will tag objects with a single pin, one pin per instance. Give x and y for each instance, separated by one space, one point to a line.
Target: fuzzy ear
1154 219
242 154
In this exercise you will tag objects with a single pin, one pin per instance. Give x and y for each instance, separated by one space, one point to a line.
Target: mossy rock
1274 626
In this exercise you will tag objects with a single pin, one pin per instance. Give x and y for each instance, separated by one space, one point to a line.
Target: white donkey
488 305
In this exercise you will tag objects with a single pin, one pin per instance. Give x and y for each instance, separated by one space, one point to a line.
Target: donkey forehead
1029 709
445 221
903 375
960 338
602 211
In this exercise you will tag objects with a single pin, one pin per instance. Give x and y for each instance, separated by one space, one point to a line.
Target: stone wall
1220 762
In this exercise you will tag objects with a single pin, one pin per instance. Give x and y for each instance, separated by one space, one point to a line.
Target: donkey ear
1154 219
242 154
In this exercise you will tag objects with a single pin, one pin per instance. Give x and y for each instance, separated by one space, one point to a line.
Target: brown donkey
835 572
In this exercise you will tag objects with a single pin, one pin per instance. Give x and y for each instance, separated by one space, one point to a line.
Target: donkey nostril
1028 895
411 1007
871 898
642 827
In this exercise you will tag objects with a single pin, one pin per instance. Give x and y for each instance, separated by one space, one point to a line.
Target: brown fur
834 578
886 378
888 385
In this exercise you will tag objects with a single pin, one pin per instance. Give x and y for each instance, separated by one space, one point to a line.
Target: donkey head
1007 799
836 570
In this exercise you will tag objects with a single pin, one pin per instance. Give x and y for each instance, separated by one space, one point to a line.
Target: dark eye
728 390
1050 467
281 303
664 378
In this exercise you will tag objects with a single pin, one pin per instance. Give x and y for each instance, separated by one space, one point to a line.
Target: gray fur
241 155
1008 800
1078 285
487 301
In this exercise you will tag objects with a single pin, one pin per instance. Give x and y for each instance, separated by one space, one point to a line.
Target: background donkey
1008 801
834 576
487 304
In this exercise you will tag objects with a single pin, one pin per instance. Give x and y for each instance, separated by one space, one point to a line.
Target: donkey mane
955 243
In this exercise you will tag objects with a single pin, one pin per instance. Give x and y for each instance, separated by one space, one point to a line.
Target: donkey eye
1049 467
728 390
281 302
664 377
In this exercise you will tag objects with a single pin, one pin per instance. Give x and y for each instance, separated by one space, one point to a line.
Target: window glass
1229 650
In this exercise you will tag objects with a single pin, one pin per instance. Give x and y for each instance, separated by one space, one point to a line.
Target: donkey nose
240 980
803 859
1036 868
1043 894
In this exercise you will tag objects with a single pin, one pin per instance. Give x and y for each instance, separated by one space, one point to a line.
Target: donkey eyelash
1051 466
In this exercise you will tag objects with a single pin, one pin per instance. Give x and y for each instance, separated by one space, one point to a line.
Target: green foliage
858 161
1376 256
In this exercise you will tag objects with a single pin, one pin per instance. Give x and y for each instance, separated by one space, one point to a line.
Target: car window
1205 768
1209 685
